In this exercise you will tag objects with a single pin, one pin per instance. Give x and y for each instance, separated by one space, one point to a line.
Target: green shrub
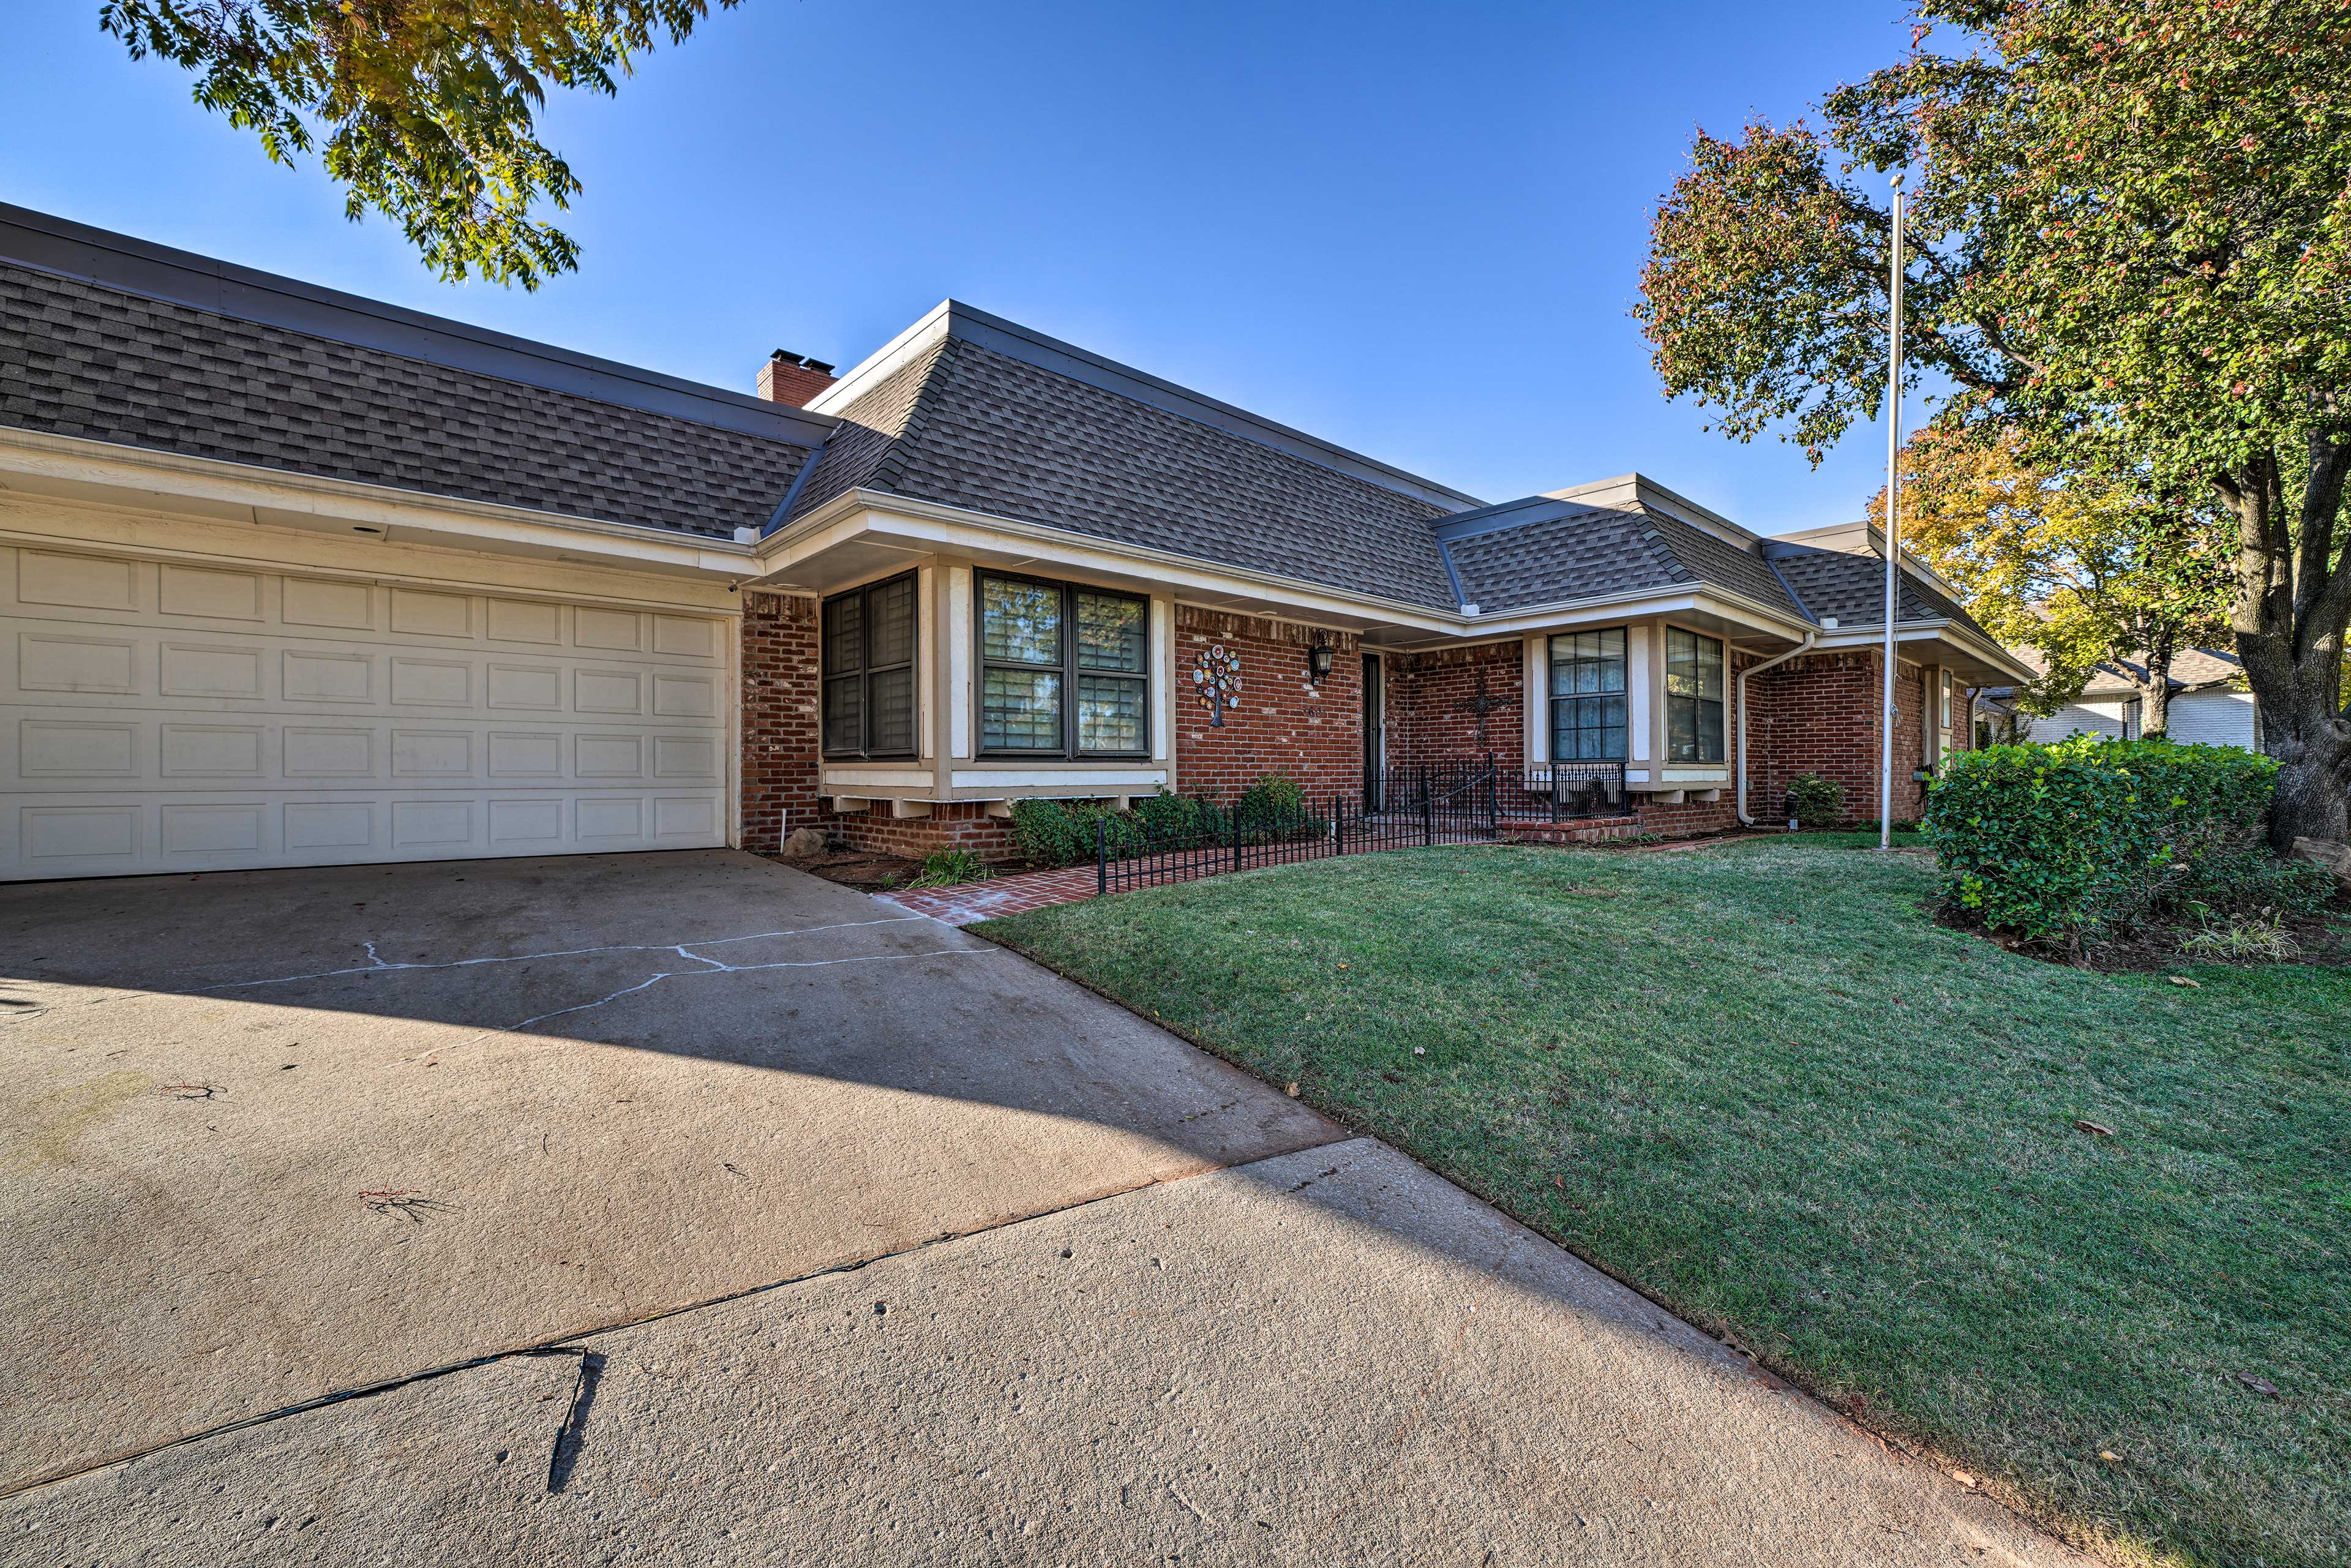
1064 833
1272 798
2063 844
1815 802
2244 878
945 868
1044 831
1169 817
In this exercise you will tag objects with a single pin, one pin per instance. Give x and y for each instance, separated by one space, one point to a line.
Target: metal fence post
1236 835
1102 855
1428 812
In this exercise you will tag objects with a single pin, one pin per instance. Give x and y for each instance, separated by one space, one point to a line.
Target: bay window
1065 671
1587 695
1693 698
868 635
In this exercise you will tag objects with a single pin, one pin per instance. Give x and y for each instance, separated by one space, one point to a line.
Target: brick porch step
1583 831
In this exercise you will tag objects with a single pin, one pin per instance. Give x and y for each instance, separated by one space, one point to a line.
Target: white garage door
165 717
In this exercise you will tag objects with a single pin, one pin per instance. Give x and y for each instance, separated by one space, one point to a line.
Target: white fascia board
1990 652
34 462
954 529
862 376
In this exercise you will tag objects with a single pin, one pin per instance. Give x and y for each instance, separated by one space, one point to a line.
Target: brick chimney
790 378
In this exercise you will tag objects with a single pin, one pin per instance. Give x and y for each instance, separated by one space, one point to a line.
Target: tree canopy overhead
422 110
2131 232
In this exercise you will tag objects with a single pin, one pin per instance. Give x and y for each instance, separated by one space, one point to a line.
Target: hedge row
2065 843
1063 833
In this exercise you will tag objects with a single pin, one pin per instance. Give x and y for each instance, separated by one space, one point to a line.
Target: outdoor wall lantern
1318 659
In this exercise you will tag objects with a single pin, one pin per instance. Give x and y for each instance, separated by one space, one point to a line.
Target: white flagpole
1893 528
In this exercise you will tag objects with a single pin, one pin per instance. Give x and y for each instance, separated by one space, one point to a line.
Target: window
2134 716
1063 670
869 670
1693 698
1587 695
1947 699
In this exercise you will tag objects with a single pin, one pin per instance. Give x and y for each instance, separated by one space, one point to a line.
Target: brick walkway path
969 901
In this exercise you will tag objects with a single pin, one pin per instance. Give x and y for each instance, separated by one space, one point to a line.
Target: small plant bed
860 868
2084 1236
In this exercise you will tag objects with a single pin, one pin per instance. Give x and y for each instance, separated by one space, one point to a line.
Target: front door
1374 730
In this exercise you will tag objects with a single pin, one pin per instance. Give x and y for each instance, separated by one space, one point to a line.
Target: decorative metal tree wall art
1217 680
1480 705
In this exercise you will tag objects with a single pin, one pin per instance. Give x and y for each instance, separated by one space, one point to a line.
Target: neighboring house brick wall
1428 720
1285 724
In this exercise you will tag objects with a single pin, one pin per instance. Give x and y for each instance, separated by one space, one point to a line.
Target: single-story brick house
291 577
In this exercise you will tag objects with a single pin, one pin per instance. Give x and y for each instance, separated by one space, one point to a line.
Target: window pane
1710 669
1020 710
844 634
1562 668
1709 732
891 609
1587 676
1562 731
843 714
1111 633
1020 621
1110 714
1681 729
1612 644
894 711
1611 673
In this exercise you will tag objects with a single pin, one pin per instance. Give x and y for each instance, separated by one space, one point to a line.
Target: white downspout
1809 638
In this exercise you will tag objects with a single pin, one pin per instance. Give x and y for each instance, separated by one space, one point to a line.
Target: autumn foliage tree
2087 568
422 110
2131 241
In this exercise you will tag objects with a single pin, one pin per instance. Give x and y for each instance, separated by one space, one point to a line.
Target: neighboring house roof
113 344
2192 670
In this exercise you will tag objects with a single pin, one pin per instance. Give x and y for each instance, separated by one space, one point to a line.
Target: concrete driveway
558 1164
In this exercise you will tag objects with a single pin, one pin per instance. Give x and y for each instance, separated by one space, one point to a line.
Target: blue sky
1410 229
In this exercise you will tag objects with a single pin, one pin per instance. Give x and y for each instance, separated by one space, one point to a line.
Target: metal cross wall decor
1480 705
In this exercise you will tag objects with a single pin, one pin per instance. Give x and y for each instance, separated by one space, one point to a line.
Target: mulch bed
2154 948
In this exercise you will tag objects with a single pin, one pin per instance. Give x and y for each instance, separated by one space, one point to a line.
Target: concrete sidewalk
1325 1357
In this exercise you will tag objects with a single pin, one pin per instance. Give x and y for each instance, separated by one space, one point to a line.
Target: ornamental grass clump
2065 845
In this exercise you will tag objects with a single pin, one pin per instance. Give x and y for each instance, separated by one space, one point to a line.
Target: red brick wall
1285 724
952 824
1819 714
1426 722
780 717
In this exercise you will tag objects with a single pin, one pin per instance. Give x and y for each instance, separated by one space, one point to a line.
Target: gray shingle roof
968 425
1543 551
1852 587
81 359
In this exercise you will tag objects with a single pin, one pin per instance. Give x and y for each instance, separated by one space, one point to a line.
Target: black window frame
1698 702
1068 669
864 750
1623 693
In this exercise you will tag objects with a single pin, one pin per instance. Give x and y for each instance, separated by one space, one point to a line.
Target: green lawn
1758 1082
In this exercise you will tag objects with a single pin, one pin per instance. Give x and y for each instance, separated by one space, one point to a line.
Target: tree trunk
2292 603
2155 692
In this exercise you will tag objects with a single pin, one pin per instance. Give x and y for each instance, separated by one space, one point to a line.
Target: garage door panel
180 716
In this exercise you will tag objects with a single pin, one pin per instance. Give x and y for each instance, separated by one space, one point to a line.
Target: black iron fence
1451 802
1138 853
1561 791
